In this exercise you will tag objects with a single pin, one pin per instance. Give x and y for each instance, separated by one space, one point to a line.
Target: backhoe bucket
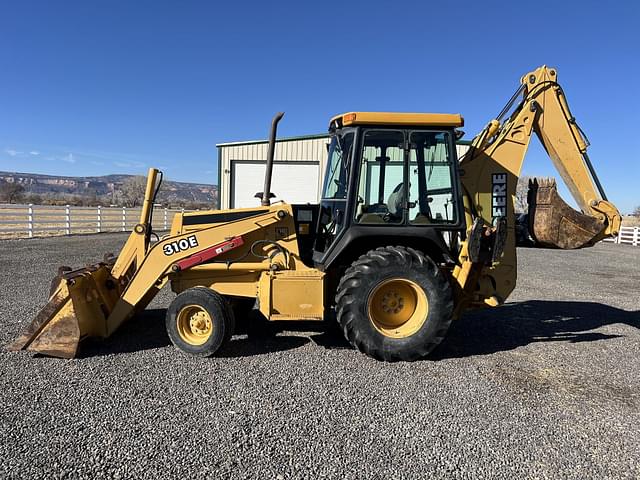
553 223
79 305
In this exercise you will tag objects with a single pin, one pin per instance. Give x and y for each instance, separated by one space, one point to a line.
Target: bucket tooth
554 224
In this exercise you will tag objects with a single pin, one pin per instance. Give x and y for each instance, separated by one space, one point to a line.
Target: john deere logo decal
499 195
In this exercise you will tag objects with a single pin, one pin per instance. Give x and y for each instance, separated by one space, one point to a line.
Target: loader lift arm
489 174
174 253
95 300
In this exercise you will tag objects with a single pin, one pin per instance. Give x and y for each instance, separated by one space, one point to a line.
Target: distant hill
106 188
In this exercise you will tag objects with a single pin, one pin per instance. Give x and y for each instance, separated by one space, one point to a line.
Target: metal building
298 170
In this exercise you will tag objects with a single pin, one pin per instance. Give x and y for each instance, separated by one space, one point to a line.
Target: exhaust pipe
266 191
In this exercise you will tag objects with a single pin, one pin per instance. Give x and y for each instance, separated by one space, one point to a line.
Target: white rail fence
628 235
39 220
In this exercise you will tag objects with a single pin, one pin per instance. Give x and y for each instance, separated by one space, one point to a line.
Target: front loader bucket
553 223
79 305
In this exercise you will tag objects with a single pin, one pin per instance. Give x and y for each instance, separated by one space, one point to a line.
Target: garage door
293 182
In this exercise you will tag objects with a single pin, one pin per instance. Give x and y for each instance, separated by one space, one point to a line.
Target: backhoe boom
490 172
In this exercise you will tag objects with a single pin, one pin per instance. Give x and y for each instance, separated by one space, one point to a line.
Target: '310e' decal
180 245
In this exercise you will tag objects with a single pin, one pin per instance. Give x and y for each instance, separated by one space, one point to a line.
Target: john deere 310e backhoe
405 238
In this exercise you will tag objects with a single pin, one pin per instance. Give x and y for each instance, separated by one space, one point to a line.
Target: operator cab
388 175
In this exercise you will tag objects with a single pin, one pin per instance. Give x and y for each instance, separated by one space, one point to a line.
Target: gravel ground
547 386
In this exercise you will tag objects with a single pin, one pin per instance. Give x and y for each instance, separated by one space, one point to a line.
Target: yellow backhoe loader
405 238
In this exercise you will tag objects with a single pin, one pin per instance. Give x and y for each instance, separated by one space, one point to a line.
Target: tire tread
348 299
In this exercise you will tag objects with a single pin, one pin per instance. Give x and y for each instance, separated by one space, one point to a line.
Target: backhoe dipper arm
490 171
566 145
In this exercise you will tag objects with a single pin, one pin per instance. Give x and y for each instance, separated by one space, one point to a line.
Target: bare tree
636 212
133 191
522 189
90 198
11 192
35 199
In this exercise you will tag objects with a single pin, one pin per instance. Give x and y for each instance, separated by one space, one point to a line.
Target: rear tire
394 304
199 321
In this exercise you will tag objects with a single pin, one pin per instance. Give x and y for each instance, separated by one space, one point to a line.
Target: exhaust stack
266 191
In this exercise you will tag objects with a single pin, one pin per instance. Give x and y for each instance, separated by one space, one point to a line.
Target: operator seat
396 200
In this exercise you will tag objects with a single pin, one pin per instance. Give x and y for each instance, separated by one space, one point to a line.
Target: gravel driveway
547 386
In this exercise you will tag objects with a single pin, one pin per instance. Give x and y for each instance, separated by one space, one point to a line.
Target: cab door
334 199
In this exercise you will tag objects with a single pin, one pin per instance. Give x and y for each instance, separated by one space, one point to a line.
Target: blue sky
98 87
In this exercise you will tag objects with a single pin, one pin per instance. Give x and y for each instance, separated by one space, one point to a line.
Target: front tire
394 304
199 321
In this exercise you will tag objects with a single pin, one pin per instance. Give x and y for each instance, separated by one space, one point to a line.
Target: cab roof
395 118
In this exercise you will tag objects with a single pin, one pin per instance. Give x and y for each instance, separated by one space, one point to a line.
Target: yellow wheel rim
194 324
398 308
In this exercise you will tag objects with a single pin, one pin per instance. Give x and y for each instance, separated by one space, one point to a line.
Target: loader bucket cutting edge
78 307
553 223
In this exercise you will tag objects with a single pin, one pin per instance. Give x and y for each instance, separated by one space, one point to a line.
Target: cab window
431 193
381 192
331 217
335 184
